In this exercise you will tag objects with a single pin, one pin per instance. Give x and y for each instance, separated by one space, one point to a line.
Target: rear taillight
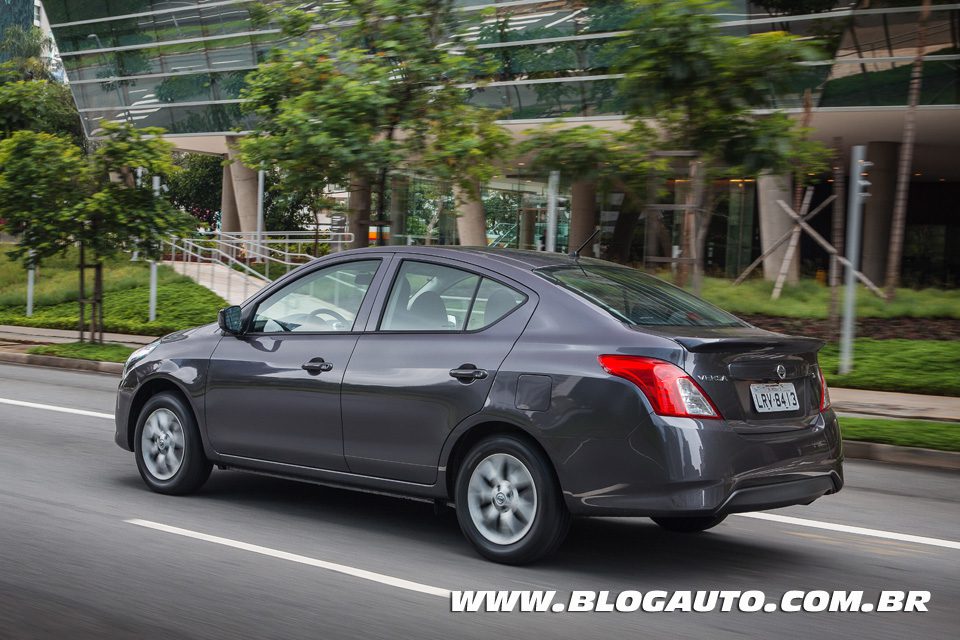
668 387
824 392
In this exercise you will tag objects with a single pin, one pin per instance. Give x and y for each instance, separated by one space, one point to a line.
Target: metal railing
257 258
190 252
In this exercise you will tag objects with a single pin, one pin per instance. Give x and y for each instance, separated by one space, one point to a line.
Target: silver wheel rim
502 498
162 444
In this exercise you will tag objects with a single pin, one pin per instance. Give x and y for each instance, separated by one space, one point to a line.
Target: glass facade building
180 65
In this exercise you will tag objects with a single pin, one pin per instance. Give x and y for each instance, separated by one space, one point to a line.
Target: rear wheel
509 504
689 525
168 448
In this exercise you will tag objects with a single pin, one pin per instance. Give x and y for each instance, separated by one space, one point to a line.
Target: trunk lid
727 361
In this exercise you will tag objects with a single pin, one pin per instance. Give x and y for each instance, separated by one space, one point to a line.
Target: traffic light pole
856 196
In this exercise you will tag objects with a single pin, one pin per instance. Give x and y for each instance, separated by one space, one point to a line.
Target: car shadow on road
611 547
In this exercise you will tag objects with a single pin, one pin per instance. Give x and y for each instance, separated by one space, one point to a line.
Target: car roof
517 258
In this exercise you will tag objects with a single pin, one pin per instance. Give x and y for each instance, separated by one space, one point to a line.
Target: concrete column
471 221
229 220
878 211
774 222
583 215
245 185
358 220
528 221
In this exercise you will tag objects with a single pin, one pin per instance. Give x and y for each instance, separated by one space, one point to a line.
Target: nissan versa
524 388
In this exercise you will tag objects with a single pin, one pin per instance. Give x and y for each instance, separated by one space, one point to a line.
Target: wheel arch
466 436
147 390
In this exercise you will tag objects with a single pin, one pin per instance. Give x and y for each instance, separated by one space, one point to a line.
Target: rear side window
493 301
433 297
637 298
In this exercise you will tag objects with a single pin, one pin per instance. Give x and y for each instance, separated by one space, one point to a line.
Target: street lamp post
857 194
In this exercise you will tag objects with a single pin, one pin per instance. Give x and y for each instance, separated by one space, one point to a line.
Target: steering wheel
323 311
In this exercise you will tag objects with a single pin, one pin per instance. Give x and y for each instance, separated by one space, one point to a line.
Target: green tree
701 87
54 197
43 179
38 105
349 104
196 187
592 159
29 96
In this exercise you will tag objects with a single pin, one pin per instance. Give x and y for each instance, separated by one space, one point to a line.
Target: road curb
56 362
913 456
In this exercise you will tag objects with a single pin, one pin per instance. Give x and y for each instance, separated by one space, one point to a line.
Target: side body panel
399 400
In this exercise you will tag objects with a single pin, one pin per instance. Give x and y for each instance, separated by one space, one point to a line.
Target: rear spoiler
790 344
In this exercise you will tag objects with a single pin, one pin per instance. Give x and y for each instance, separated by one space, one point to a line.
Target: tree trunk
96 329
688 232
899 223
471 222
82 298
434 220
621 243
399 202
358 211
704 216
583 216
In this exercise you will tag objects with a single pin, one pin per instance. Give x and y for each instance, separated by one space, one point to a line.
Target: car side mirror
230 320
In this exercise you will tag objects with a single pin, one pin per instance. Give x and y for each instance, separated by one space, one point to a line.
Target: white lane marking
292 557
800 522
860 531
50 407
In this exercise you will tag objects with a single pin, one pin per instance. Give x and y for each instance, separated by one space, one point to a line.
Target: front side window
325 300
637 298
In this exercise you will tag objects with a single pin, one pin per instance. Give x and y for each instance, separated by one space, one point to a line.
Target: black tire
194 468
689 524
551 520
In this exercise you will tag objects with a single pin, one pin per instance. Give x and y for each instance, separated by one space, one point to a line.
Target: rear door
426 363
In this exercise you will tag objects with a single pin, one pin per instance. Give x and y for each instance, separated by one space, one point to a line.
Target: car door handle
467 373
317 365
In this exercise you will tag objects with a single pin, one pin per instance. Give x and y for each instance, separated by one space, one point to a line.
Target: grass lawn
809 299
181 303
85 351
944 436
909 366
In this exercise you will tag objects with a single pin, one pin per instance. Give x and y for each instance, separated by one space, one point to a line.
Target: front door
273 393
428 364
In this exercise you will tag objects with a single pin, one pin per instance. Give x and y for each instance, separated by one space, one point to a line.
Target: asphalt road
72 566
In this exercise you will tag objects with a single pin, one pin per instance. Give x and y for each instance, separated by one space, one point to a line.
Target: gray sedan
524 388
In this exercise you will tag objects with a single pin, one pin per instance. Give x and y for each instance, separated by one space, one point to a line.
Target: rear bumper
781 494
684 467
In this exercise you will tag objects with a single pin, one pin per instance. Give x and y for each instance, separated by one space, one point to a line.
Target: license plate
768 398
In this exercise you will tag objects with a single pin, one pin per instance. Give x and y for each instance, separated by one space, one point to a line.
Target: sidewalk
895 405
230 284
11 333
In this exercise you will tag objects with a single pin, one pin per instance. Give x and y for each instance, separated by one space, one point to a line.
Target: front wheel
509 504
689 524
168 448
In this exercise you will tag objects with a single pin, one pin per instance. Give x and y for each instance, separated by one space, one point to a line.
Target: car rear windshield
637 298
